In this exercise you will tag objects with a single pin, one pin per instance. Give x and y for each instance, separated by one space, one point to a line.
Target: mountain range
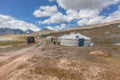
14 31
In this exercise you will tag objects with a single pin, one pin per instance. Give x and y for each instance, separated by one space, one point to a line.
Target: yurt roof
73 36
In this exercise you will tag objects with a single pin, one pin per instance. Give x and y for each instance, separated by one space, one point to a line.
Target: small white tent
74 40
49 37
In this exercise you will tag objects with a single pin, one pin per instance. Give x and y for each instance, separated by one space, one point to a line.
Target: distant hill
23 34
94 31
14 31
104 35
44 31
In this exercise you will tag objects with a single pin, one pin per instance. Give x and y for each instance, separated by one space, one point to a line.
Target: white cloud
82 22
96 20
114 16
49 8
54 19
52 13
82 13
62 26
58 18
70 16
100 19
86 12
10 22
45 11
51 28
51 0
85 4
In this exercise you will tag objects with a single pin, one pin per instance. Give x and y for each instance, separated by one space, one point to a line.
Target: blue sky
56 14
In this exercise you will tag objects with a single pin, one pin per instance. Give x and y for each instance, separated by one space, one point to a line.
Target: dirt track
45 61
12 60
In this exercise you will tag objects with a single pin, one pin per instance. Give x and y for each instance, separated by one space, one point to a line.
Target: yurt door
81 42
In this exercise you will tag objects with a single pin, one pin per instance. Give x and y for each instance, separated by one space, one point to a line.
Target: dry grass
77 65
10 43
15 47
59 73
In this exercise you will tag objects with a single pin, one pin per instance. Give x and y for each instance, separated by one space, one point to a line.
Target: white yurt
74 39
49 37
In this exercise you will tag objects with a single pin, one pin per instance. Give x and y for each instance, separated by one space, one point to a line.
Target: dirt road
9 62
